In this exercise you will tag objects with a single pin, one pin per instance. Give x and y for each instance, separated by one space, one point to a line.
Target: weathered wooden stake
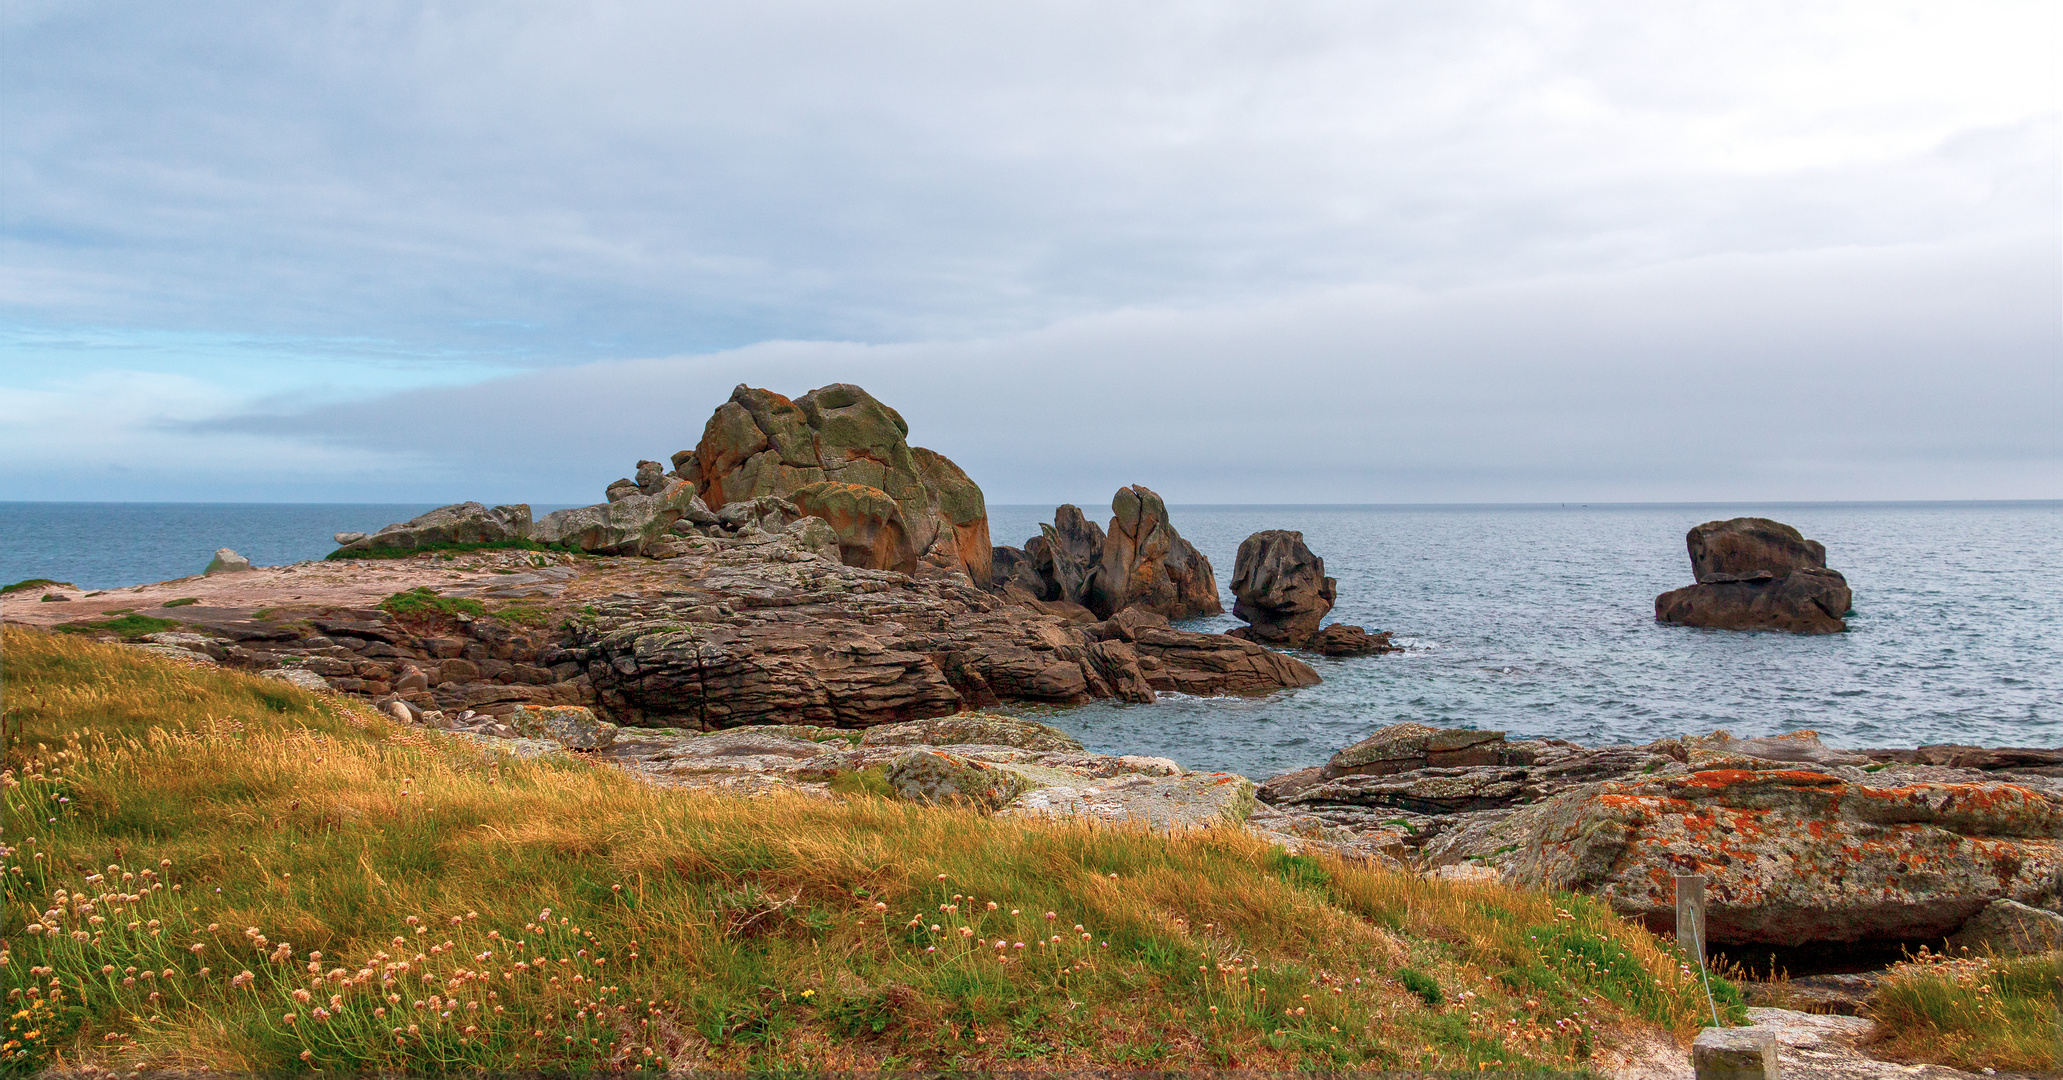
1690 915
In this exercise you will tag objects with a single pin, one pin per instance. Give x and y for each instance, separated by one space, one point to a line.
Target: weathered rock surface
1757 574
226 562
1279 587
459 523
2010 928
979 729
1146 563
760 443
1801 842
935 776
571 726
626 525
1142 563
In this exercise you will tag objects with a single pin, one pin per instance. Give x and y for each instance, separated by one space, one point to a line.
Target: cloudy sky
1268 252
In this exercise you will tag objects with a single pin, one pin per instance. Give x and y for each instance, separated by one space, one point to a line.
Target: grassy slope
473 911
1973 1013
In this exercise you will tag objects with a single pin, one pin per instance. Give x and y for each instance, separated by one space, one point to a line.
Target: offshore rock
1147 564
1757 574
1065 556
1280 588
459 523
760 443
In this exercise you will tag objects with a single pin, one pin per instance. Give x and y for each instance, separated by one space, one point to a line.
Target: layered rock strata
1757 574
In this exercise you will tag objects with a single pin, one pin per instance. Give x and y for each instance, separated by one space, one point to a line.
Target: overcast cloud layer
1267 252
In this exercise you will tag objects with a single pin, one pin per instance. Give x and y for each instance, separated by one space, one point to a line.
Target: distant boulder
1757 574
1280 588
1147 564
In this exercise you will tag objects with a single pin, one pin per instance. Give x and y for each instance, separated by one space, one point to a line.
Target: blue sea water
1538 620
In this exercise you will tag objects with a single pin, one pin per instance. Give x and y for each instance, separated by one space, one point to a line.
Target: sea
1537 620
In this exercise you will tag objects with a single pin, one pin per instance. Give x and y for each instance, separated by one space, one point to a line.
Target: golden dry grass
298 883
1981 1012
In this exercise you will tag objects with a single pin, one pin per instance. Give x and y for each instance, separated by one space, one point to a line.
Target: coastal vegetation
35 583
126 625
211 870
1973 1012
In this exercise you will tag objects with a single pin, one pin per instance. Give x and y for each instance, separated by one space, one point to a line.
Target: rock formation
459 523
1141 563
1279 587
840 451
1802 842
226 562
1757 574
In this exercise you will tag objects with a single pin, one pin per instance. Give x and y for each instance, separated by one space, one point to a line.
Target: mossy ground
207 870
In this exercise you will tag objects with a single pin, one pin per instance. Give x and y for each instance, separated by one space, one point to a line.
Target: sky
1359 252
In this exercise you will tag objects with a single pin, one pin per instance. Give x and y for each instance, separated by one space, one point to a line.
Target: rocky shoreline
806 600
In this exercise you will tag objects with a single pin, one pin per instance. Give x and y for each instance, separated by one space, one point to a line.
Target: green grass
265 853
524 615
184 601
492 545
1976 1013
26 584
128 627
425 601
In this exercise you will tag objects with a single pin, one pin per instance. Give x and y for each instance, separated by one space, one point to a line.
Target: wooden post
1690 916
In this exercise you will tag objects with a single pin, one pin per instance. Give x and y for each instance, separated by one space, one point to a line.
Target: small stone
1735 1054
226 562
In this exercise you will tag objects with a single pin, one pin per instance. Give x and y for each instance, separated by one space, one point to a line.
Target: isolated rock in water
1745 547
2010 928
1757 574
622 527
868 524
1280 588
1147 564
1340 639
1792 855
972 729
571 726
226 562
459 523
760 443
951 779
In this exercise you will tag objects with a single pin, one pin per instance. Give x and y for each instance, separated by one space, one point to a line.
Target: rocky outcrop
760 443
1146 564
1802 842
1757 574
627 525
459 523
1279 587
1141 563
747 635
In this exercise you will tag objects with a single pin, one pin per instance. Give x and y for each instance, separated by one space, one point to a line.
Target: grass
128 626
424 601
493 545
184 601
1974 1013
26 584
212 871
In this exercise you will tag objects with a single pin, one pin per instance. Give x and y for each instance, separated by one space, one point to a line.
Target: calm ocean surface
1537 620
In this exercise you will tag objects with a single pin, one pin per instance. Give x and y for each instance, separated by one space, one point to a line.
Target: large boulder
1147 564
1757 574
1065 555
760 443
625 526
1280 588
868 524
459 523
